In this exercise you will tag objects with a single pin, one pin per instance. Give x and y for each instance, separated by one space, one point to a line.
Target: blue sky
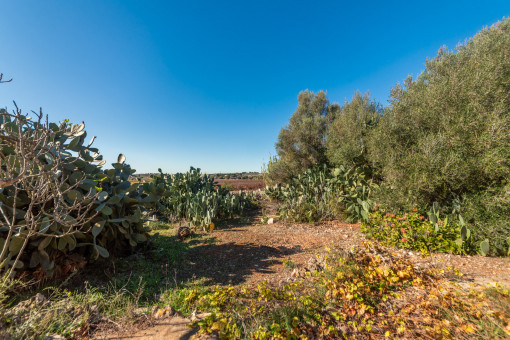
210 83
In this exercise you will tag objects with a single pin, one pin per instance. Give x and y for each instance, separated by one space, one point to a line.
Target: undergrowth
368 293
414 231
72 314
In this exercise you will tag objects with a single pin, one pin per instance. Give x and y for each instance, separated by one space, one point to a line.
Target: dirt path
251 253
247 252
167 329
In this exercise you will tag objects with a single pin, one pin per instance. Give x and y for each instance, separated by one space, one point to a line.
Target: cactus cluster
354 187
321 193
464 239
84 209
196 198
123 211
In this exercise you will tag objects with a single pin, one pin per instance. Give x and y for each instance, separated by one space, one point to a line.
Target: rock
54 337
270 221
160 313
169 311
140 311
193 316
183 232
200 316
40 299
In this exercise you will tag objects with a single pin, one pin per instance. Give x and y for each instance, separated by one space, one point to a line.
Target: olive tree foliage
349 131
302 142
447 133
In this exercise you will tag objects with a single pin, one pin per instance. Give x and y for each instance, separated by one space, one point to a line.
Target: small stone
39 298
183 232
140 311
94 309
160 313
202 316
193 316
270 221
169 311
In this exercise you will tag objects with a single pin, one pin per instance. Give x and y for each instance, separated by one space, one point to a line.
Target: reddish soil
246 252
243 184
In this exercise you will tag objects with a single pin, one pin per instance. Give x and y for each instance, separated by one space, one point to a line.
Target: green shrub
276 171
447 133
414 231
348 133
487 215
446 138
228 186
301 143
309 197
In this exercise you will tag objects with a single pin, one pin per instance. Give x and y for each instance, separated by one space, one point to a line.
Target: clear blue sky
177 83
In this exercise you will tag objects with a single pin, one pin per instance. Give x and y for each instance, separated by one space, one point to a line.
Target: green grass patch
115 292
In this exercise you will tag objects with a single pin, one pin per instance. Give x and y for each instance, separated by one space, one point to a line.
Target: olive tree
348 133
302 142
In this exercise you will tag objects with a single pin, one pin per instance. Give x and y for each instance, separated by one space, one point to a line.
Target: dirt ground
248 252
243 184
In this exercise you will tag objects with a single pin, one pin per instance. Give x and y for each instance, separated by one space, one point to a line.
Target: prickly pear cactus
195 197
320 194
115 222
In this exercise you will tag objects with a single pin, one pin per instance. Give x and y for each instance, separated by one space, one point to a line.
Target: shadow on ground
230 263
169 262
214 263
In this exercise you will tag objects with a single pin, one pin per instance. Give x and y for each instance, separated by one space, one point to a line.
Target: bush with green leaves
56 200
309 197
488 216
195 197
346 142
320 194
416 232
447 134
446 137
301 143
439 232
